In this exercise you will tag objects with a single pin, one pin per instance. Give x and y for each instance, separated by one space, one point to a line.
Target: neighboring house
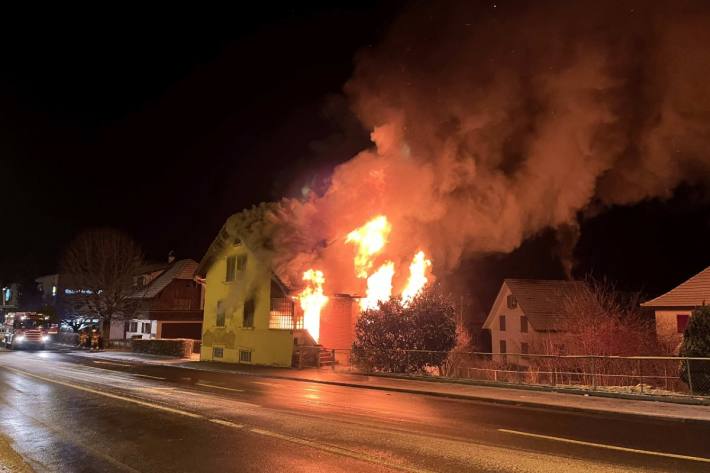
169 303
529 314
251 316
674 308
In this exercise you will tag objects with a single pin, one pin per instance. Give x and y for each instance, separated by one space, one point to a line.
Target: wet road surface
69 412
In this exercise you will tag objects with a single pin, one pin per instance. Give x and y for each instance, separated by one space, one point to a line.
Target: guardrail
643 375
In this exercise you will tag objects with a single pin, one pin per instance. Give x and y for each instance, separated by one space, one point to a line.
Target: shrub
406 339
179 347
696 343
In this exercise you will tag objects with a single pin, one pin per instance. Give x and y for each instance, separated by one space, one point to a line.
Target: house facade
530 316
169 304
249 315
674 308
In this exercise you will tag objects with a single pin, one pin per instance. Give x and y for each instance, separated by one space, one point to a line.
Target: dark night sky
164 127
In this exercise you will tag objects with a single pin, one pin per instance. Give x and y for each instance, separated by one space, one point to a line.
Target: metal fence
640 375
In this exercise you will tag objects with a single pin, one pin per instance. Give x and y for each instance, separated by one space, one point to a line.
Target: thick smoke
492 123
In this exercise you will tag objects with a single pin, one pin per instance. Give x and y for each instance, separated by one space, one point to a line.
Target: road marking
338 451
112 396
149 376
110 363
608 447
220 387
227 423
265 384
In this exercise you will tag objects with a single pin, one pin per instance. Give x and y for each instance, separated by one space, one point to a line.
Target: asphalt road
68 413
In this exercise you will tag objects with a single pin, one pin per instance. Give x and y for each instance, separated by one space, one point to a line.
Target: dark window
244 356
231 268
134 327
524 348
219 320
241 262
126 326
523 324
501 323
146 327
217 352
503 347
249 313
512 302
681 322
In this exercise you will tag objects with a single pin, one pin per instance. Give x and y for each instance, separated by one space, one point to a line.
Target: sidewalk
502 395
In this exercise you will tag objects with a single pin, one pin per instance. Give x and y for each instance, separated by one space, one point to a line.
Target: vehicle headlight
45 338
19 338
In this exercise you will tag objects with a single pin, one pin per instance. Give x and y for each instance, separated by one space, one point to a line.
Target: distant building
529 314
169 304
9 299
674 308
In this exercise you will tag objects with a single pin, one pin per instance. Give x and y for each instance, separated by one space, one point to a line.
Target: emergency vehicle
28 329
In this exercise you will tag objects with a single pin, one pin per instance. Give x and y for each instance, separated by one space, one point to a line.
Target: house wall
337 322
667 326
272 347
180 294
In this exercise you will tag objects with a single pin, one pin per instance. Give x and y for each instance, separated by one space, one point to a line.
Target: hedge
179 347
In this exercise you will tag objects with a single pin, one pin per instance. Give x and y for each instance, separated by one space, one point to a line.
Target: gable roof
182 269
692 293
544 302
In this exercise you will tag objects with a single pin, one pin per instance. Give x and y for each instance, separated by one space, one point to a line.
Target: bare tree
102 265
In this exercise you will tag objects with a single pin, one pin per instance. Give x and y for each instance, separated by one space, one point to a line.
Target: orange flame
417 277
370 239
379 286
312 301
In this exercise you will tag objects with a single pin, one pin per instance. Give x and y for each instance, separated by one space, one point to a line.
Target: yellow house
248 314
674 308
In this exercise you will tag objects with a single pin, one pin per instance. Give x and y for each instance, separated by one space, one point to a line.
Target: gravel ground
10 460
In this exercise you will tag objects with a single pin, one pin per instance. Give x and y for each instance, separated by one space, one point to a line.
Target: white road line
110 363
149 376
220 387
265 384
105 394
608 447
227 423
338 451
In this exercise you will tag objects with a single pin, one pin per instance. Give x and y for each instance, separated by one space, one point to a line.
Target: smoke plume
493 122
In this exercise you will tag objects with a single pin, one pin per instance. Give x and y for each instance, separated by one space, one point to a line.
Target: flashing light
19 338
45 338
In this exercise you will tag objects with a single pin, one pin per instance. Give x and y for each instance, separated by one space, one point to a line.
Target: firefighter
95 339
83 337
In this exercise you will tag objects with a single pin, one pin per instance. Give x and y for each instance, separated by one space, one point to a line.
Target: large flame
370 239
417 277
379 286
312 301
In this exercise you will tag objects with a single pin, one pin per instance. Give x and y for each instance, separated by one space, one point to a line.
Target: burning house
265 294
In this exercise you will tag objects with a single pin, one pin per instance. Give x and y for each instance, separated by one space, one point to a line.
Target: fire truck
27 329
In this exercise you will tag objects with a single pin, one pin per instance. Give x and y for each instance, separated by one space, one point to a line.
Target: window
231 269
524 349
241 262
217 352
681 322
134 327
244 356
523 324
126 326
219 320
248 313
503 347
512 301
146 327
501 323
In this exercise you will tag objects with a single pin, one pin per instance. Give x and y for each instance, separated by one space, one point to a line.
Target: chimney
171 256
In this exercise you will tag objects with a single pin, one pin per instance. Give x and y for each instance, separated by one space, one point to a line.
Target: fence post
690 380
641 375
594 381
332 353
